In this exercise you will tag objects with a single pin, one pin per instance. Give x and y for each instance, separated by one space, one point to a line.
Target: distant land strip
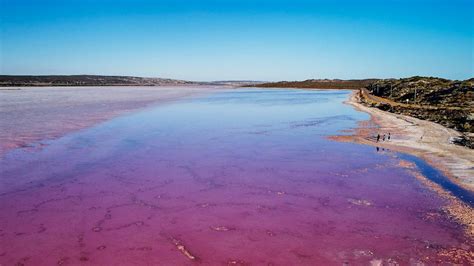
100 80
353 84
85 80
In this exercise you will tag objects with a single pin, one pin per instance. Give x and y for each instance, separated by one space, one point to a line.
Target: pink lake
238 177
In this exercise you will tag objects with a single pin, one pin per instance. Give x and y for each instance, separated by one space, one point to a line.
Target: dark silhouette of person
378 149
378 137
388 136
383 138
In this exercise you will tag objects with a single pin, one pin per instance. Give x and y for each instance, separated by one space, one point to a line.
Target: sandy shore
32 114
425 139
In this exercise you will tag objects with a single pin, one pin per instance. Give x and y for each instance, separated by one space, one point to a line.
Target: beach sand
33 114
424 139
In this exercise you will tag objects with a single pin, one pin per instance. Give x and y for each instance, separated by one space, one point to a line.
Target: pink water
239 177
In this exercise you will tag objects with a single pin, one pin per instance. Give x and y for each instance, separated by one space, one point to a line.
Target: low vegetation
449 103
319 84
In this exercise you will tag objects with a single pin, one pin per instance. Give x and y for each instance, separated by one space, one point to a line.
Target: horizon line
225 79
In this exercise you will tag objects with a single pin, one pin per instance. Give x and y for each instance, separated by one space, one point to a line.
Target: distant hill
320 84
86 80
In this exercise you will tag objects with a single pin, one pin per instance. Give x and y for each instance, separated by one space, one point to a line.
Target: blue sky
257 40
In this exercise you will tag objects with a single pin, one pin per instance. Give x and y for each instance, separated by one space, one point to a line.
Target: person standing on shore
383 138
378 137
388 138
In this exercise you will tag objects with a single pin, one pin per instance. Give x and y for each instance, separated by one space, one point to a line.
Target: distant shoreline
106 81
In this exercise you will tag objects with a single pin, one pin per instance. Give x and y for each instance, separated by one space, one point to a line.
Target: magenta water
238 177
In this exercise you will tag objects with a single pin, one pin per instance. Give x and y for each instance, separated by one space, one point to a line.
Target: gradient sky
255 40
